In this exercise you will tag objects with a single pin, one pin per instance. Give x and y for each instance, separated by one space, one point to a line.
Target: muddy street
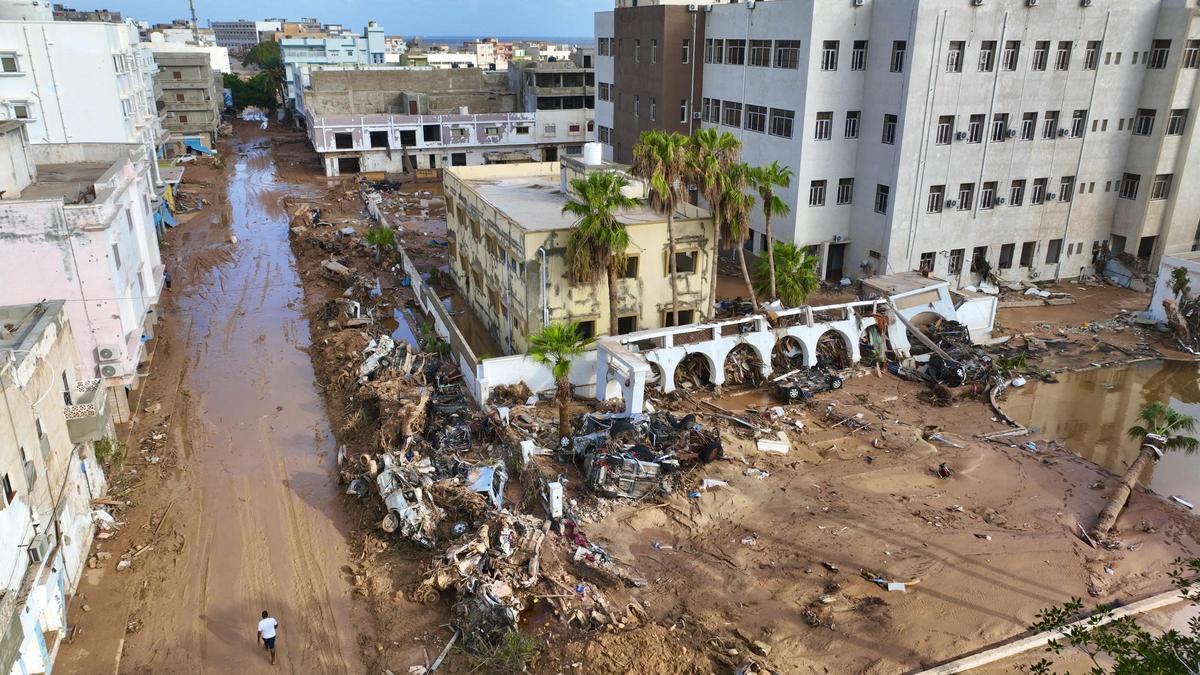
255 521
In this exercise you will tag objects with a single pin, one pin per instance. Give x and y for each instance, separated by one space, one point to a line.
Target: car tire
835 383
793 393
391 522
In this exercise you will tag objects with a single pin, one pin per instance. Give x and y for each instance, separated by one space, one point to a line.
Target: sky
520 18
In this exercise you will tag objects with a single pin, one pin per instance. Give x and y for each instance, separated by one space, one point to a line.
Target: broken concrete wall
1162 287
369 92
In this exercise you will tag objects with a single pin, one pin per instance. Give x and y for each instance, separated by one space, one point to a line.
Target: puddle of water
1091 411
401 326
473 331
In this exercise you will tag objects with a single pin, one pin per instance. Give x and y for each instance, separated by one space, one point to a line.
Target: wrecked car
376 356
633 473
409 510
805 384
488 481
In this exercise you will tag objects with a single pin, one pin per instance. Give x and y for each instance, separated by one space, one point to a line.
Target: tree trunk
671 265
771 256
741 252
564 404
1116 501
612 299
716 263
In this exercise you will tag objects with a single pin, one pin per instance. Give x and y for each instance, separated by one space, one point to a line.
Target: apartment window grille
653 108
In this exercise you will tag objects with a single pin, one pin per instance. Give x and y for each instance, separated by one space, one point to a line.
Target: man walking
266 633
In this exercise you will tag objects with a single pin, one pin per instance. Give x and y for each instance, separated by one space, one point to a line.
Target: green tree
711 157
383 239
796 274
660 158
765 179
1162 429
556 346
1131 649
598 241
268 58
256 91
1181 285
736 206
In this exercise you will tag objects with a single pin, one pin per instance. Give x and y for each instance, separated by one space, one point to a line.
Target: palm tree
556 346
796 274
659 158
598 241
711 156
383 239
765 179
736 205
1161 429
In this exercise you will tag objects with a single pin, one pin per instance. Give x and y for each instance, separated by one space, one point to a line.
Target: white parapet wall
1162 286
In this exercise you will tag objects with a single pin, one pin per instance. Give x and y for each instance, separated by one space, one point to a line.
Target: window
1053 251
1066 187
999 127
176 75
889 129
954 56
1027 251
1038 195
683 111
1012 52
760 53
937 198
548 129
10 493
379 139
605 135
685 262
1050 124
604 46
1016 193
1176 122
852 117
604 91
9 63
685 50
824 126
928 260
858 55
945 130
1028 124
956 261
1006 256
637 105
975 129
1091 55
731 113
845 192
987 195
1078 123
630 270
654 110
1161 187
756 118
116 256
587 329
829 55
20 110
899 49
432 133
1143 124
816 193
708 50
654 51
1062 59
127 110
781 122
1129 185
787 54
1041 49
1159 50
637 51
627 324
882 192
685 317
987 56
735 52
178 97
1191 54
966 195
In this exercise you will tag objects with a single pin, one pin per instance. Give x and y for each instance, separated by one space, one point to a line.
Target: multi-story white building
1016 136
368 49
50 417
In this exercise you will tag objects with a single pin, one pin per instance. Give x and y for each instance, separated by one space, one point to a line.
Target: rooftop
903 282
22 325
530 194
74 183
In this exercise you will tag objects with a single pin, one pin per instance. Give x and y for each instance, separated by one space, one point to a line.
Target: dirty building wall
17 169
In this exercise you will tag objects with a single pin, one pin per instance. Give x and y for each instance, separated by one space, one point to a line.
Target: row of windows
989 196
607 46
979 264
817 188
773 121
786 53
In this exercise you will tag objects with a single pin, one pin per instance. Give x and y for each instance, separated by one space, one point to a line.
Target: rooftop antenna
195 26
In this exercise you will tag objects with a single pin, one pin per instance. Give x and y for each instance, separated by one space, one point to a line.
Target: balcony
87 415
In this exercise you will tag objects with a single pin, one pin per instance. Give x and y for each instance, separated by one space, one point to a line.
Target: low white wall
978 314
1162 287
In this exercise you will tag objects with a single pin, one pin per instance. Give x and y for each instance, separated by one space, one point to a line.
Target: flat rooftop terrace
903 282
73 183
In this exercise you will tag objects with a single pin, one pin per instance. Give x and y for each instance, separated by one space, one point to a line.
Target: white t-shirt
267 627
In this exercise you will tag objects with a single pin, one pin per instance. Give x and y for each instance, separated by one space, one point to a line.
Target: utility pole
195 26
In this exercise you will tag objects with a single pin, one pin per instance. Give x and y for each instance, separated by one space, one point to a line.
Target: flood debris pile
1183 316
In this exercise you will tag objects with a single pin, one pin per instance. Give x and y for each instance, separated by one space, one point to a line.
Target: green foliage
598 239
108 453
382 237
796 274
1131 649
1180 284
1158 418
659 158
268 58
556 346
257 91
514 653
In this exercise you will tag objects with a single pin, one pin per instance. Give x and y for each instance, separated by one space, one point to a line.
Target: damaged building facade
76 222
190 98
52 413
1011 138
391 119
507 238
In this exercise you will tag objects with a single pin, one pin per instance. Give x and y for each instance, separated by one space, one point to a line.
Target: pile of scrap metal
635 456
953 360
1183 315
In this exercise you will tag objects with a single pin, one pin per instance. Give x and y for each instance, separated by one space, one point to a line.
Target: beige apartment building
508 237
191 100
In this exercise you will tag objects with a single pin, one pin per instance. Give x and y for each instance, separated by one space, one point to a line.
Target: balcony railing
87 415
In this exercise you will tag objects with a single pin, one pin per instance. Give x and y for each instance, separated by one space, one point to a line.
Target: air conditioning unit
960 135
1062 133
696 115
1085 3
1031 3
838 237
950 203
693 8
114 369
38 548
108 352
977 3
999 201
1050 196
1012 133
859 3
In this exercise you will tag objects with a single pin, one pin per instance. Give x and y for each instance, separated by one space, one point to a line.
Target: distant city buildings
62 13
